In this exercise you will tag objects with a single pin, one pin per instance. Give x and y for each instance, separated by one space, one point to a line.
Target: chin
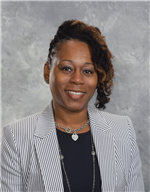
76 107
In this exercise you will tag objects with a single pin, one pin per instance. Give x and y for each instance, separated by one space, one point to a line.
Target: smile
75 93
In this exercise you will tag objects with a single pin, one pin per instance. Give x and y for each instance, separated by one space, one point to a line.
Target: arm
135 178
11 175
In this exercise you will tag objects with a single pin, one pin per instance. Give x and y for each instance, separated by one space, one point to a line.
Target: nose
77 77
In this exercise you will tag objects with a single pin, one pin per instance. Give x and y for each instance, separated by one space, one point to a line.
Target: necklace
63 165
68 130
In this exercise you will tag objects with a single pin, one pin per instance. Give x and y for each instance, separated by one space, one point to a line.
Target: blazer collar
97 120
46 123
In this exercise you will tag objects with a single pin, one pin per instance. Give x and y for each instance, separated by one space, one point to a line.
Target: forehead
74 48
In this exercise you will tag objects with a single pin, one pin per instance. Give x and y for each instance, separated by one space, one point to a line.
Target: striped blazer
30 157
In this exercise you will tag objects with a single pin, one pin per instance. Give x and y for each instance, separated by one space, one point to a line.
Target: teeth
75 93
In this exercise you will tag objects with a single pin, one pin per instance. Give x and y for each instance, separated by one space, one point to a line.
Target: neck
72 119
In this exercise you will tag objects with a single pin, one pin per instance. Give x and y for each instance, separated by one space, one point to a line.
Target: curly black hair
101 56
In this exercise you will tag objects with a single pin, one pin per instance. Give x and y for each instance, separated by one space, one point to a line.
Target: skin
73 70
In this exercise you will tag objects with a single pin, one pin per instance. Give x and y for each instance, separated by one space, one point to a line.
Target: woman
71 146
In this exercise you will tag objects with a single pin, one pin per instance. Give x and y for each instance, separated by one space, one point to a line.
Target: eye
66 69
88 72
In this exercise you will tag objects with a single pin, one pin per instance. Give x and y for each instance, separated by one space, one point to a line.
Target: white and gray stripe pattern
30 157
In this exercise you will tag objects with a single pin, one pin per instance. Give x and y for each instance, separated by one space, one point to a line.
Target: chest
42 169
80 168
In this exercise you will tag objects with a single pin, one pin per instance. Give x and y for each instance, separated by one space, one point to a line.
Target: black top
78 162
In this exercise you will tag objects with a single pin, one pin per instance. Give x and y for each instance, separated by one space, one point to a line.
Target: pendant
74 136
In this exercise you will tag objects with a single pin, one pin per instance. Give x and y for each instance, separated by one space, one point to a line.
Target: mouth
75 95
75 92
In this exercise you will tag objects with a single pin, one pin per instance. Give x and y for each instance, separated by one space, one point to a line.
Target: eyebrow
73 62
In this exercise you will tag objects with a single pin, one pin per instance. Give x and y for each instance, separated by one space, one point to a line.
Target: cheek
93 83
52 82
58 82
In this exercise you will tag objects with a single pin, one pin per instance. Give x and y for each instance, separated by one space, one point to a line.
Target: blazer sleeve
11 175
135 178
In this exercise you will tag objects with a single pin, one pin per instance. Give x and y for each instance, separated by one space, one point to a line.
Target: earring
47 80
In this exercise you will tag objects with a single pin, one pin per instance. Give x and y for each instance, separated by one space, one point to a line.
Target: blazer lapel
105 149
46 145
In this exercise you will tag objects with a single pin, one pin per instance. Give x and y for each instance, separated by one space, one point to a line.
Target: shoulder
116 120
22 128
121 126
110 118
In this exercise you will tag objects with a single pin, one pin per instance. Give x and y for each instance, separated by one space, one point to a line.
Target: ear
46 72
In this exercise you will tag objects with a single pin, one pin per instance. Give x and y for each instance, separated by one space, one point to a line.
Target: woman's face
73 78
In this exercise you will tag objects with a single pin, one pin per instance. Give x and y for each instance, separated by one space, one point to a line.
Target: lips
75 95
75 92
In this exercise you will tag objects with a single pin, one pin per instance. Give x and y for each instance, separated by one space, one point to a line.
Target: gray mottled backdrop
27 28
